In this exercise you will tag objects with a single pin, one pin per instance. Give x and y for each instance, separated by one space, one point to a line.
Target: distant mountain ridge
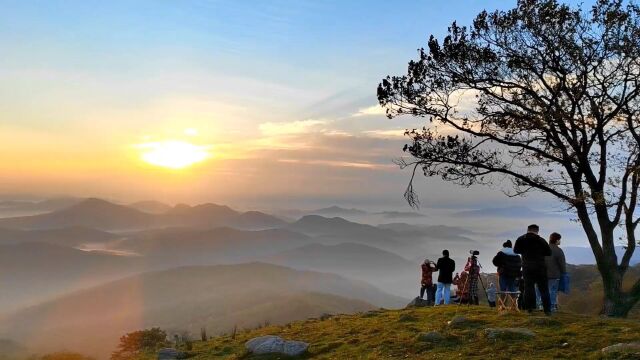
337 211
104 215
151 206
507 212
584 256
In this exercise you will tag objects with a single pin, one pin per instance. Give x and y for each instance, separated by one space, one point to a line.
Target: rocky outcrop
417 302
170 354
632 348
271 344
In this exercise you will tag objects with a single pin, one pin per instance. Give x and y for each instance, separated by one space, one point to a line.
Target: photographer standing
428 267
534 249
445 266
473 268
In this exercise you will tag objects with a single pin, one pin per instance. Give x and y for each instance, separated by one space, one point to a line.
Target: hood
508 251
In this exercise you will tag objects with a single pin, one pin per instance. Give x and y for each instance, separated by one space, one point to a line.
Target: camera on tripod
474 252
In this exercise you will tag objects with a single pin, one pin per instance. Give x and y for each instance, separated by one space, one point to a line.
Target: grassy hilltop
395 334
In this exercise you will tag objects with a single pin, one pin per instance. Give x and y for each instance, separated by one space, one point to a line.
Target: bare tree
546 96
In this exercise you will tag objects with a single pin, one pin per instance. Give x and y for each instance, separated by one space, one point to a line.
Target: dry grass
393 334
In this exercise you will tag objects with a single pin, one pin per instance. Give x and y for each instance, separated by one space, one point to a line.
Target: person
534 249
520 285
509 267
491 295
473 268
461 281
556 267
445 268
427 281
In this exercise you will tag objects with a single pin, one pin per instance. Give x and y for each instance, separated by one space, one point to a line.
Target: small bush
138 342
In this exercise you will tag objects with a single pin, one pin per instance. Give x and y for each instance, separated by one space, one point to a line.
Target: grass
393 334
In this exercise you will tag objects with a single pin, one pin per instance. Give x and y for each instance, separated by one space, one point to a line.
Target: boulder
170 354
632 348
498 333
417 302
271 344
431 336
457 321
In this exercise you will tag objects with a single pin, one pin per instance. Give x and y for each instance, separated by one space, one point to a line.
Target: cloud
337 163
292 127
370 111
385 134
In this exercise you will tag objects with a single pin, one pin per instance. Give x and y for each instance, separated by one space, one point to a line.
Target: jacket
462 282
427 271
556 263
491 293
533 249
509 264
445 267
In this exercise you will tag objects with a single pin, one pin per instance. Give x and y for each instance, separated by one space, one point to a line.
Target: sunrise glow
173 154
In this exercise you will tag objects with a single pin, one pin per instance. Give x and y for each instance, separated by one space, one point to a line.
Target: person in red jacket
426 282
461 281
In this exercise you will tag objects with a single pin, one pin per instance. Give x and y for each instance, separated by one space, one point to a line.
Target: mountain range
104 215
186 299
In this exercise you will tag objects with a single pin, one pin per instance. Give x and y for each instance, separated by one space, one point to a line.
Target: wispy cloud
292 127
385 134
370 111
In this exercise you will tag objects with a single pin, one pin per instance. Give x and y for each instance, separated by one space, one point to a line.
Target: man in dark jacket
445 267
509 267
534 249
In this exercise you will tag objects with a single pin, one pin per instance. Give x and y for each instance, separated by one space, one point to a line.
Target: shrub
138 342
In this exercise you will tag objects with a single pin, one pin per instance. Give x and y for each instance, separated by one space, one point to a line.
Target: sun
173 154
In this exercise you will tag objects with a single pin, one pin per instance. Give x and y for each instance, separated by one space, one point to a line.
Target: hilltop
395 334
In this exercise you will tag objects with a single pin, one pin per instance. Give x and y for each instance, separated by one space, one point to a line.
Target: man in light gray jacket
556 266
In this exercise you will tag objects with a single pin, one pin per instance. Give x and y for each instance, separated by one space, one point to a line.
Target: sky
274 101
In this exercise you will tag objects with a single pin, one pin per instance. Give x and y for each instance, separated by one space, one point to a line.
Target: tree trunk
616 302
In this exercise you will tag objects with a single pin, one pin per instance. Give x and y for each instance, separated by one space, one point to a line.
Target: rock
498 333
431 336
271 344
295 348
457 320
632 348
407 318
170 354
417 302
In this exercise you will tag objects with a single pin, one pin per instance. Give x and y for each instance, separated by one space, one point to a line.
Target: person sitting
509 266
491 295
426 282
